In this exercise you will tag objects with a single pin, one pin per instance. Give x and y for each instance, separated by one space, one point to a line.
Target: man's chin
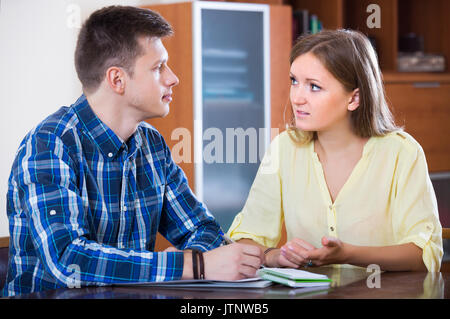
166 112
160 114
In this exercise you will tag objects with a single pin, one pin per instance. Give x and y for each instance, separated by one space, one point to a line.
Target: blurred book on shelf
303 22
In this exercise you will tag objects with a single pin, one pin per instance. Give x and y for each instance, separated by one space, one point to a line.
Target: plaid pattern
84 207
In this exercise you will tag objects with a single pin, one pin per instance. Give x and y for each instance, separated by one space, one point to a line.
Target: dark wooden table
347 283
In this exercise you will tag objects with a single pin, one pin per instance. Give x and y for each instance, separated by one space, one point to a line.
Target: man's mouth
167 97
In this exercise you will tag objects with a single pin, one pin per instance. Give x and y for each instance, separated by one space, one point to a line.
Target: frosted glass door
233 107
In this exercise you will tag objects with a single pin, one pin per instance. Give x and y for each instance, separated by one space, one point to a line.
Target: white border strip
267 102
198 100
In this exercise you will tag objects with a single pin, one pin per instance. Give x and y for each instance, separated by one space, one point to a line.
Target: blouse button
332 228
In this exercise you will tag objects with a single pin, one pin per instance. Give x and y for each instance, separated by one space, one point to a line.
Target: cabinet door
232 104
424 111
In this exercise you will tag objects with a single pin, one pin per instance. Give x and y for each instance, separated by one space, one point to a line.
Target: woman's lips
301 113
167 98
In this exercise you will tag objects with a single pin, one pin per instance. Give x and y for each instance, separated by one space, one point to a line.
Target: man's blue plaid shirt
84 207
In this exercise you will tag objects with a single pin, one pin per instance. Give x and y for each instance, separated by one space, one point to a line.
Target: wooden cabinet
419 101
423 108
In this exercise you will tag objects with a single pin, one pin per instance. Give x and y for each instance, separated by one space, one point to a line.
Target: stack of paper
294 277
256 282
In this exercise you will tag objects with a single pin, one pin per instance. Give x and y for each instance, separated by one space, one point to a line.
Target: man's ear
115 77
354 100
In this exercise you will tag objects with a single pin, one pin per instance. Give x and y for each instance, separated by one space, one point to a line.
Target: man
92 184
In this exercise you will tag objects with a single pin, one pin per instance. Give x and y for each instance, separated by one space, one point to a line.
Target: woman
350 186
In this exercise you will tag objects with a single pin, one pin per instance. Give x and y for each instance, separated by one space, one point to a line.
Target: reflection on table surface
346 283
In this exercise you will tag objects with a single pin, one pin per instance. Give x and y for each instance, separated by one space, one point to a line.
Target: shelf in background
405 77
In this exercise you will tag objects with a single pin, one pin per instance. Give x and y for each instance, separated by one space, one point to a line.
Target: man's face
149 90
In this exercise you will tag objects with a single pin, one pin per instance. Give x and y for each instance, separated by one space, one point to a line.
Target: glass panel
233 108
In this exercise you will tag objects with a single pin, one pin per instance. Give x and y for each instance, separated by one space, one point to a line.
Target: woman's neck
338 142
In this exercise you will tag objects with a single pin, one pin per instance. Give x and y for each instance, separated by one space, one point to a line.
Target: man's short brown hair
109 37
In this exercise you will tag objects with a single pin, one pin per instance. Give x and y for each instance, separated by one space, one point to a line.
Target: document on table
294 277
205 283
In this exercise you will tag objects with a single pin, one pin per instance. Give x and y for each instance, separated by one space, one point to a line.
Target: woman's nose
298 96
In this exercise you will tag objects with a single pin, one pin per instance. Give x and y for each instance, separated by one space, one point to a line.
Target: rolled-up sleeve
261 219
415 218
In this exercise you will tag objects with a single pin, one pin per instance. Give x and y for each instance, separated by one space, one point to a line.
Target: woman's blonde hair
348 55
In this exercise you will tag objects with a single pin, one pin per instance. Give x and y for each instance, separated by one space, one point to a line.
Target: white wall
37 73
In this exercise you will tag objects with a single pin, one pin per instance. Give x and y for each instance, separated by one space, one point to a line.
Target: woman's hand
333 251
292 254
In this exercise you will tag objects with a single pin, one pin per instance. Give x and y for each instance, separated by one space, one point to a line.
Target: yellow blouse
387 200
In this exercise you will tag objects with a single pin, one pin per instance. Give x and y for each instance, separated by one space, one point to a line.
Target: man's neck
114 114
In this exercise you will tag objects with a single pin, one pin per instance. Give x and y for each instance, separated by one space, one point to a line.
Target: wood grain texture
280 47
4 242
386 36
179 48
425 114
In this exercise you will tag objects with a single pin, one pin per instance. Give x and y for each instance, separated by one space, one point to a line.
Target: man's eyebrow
161 61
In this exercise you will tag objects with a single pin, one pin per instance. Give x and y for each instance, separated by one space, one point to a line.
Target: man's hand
233 262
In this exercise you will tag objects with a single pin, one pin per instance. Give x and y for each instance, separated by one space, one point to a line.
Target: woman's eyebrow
312 79
307 79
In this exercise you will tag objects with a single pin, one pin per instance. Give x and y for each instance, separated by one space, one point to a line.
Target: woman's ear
354 100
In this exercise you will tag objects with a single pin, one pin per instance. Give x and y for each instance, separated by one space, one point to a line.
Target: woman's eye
293 81
315 87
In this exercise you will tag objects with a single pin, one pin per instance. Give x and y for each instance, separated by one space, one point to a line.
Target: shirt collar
109 143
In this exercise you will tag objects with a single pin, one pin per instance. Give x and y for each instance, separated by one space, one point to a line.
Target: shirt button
332 228
110 154
125 208
53 212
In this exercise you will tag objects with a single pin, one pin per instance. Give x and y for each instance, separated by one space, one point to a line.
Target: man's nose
172 79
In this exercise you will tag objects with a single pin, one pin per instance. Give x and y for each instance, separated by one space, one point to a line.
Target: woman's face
319 101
